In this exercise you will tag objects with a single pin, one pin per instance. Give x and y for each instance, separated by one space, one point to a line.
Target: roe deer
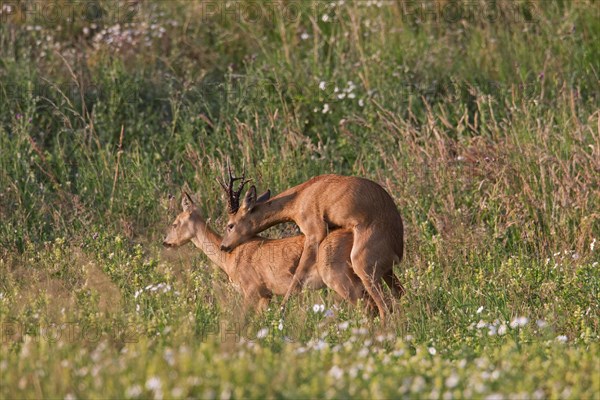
261 268
324 202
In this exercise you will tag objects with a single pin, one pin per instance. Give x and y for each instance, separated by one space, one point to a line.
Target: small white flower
325 17
361 103
452 380
502 330
304 36
133 391
153 384
262 333
336 372
432 351
495 396
322 85
541 323
169 357
481 324
398 353
325 108
360 331
320 345
342 326
561 338
593 244
280 326
519 321
479 310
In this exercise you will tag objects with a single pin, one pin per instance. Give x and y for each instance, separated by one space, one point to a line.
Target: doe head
182 229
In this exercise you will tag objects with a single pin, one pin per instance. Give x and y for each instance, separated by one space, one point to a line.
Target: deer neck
277 210
209 242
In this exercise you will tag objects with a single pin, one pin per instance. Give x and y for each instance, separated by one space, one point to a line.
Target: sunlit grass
480 119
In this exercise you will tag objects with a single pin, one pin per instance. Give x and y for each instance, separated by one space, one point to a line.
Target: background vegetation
481 118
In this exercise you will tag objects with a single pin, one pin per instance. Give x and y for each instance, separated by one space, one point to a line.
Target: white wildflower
322 85
133 391
561 338
304 36
326 108
432 351
320 345
452 380
479 310
154 384
519 321
360 331
336 372
502 330
342 326
262 333
541 323
495 396
169 357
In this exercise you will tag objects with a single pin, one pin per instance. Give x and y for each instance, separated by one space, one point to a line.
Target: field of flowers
481 119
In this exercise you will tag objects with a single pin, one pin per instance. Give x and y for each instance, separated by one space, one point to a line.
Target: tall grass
480 118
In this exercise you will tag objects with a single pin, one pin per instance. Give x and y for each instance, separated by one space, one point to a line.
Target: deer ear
186 202
264 197
250 199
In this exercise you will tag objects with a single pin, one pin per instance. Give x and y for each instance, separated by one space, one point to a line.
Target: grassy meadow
480 118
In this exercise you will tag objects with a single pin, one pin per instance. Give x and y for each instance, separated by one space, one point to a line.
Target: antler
233 196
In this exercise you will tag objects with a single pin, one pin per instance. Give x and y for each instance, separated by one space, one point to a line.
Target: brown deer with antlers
323 203
261 268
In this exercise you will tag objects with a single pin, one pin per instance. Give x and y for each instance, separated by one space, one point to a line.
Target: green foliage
480 119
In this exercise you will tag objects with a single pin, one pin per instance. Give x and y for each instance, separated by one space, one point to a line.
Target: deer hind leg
307 260
345 283
394 284
335 268
369 265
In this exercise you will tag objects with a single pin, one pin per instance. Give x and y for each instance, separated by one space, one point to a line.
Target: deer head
236 234
182 229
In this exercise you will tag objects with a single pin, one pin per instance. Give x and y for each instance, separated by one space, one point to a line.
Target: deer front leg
308 259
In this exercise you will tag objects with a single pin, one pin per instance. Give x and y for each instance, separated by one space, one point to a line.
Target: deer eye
230 227
175 225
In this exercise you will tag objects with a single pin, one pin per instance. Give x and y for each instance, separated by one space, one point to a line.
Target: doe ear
250 198
186 202
264 197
